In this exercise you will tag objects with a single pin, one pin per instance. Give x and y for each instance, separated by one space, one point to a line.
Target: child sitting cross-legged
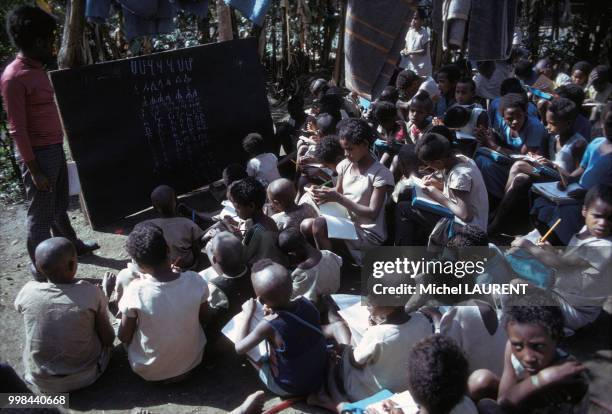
538 376
317 272
68 336
162 312
298 357
281 198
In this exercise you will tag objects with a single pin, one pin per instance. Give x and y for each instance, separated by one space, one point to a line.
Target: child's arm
248 340
324 195
459 208
549 257
204 314
104 329
513 395
127 329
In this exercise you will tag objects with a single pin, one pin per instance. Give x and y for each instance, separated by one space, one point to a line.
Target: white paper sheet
231 331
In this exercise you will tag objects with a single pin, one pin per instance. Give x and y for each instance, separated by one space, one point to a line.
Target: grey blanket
491 28
373 37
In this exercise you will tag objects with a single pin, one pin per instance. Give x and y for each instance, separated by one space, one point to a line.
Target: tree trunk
73 53
285 39
224 19
340 51
204 30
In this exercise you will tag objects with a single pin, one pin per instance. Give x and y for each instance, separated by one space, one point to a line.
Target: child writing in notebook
538 376
563 151
463 192
372 364
298 358
362 187
582 271
260 238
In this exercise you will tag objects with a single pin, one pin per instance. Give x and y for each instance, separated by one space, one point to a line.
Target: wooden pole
224 19
72 53
340 51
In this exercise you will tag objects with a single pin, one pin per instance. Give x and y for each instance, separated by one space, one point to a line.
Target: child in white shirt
263 164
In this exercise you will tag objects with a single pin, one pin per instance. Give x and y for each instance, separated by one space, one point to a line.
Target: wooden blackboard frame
175 118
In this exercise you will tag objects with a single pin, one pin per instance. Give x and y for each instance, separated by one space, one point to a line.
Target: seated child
465 95
437 377
476 329
463 192
419 115
317 272
509 85
329 153
564 150
575 93
538 376
298 356
263 164
325 124
228 273
409 165
520 133
372 365
580 73
599 90
447 78
362 187
408 84
582 273
183 236
164 341
595 168
281 198
489 78
392 132
260 238
68 336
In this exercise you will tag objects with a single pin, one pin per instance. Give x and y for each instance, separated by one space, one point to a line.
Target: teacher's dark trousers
47 210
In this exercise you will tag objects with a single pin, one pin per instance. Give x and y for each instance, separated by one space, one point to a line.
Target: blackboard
175 118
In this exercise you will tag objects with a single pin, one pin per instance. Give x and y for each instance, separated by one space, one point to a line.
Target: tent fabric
373 38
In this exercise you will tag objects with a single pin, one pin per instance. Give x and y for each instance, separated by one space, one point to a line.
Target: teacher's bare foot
253 404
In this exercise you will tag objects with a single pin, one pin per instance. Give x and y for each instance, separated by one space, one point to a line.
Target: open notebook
423 202
496 156
551 192
354 313
231 331
339 223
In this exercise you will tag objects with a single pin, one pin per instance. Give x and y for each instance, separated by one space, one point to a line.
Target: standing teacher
415 55
35 127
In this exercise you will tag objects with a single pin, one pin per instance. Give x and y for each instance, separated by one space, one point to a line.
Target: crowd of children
476 144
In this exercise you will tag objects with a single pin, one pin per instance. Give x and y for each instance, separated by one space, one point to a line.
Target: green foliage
6 48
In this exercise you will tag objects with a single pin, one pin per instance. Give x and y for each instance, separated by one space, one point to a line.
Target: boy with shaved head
281 196
183 236
68 334
292 328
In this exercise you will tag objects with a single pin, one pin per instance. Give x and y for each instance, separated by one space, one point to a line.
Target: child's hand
561 373
521 242
561 186
248 307
325 194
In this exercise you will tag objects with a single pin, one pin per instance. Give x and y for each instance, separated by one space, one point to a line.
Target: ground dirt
217 385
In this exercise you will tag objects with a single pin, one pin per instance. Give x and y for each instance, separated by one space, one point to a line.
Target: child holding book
462 192
298 358
362 187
